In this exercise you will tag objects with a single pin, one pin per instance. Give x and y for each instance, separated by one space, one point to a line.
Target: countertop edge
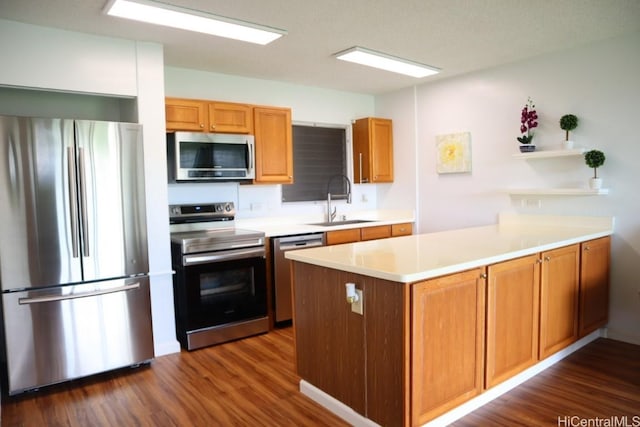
304 256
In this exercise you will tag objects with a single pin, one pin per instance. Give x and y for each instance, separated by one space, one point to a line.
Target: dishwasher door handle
300 245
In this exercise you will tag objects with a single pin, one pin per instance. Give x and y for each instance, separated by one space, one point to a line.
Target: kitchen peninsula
448 318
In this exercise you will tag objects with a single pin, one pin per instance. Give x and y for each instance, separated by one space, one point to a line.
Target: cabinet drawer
404 229
377 232
343 236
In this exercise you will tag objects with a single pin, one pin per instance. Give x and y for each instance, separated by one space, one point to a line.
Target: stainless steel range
220 282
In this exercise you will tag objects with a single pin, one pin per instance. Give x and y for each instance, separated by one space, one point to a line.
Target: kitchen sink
345 222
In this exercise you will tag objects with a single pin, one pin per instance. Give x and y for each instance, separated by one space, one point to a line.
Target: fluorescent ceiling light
383 61
192 20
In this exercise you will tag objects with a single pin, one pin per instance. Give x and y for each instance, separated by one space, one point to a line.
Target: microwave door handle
250 154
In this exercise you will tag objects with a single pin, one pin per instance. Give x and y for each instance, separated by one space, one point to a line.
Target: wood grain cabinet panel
447 337
375 232
185 114
274 145
404 229
594 285
227 117
560 281
337 237
372 150
513 290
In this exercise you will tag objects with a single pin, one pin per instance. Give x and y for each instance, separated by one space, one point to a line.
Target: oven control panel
222 211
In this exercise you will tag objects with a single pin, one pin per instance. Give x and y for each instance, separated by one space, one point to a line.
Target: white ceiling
458 36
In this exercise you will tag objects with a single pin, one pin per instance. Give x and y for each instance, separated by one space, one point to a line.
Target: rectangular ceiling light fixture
383 61
192 20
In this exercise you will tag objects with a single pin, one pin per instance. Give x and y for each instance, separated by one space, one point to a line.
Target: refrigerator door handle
51 298
73 200
83 203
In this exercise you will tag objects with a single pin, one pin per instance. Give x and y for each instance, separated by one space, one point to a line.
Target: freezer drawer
67 332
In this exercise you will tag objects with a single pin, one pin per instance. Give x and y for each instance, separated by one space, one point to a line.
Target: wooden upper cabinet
560 282
225 117
447 342
208 116
513 290
185 114
594 285
372 150
274 145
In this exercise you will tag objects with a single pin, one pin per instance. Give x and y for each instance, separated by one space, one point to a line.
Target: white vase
595 183
568 145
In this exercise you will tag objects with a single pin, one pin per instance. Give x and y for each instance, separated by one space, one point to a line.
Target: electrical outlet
358 306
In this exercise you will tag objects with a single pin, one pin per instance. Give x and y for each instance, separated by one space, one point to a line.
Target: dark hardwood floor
599 381
251 383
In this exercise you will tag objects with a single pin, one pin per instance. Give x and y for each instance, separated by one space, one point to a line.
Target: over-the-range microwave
195 156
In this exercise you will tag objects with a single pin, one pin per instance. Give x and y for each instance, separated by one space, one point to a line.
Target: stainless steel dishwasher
282 269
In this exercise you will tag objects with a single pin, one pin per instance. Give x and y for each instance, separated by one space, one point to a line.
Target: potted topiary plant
594 159
568 122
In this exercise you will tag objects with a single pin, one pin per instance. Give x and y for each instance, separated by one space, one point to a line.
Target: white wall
308 105
598 83
47 59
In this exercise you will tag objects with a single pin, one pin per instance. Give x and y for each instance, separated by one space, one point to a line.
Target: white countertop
423 256
273 227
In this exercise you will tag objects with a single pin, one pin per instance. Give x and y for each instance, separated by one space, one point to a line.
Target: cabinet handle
539 261
547 258
213 127
360 166
201 125
586 248
483 276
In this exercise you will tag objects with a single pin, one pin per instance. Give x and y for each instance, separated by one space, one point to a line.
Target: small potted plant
594 159
528 121
568 122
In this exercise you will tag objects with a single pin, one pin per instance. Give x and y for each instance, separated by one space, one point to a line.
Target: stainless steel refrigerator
73 250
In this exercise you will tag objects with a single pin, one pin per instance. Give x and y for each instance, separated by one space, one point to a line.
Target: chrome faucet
331 214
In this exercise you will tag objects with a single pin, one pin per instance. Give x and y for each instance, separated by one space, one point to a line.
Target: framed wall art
453 153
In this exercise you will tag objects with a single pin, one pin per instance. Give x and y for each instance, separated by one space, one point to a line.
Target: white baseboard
168 347
349 415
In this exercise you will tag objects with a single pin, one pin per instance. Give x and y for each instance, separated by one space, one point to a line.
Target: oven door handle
222 256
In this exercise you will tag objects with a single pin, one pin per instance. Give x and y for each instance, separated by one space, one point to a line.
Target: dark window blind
318 154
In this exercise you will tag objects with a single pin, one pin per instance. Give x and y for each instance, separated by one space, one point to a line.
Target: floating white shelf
545 154
557 192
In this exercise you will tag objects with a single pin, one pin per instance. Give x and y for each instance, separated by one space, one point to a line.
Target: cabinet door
594 285
381 150
447 337
230 118
559 299
343 236
185 114
372 150
404 229
376 232
513 291
274 147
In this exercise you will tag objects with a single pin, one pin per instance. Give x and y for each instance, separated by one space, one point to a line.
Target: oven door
221 287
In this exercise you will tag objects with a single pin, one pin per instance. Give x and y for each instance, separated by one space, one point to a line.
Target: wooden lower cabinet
560 282
352 235
512 318
403 229
447 341
594 285
375 232
337 237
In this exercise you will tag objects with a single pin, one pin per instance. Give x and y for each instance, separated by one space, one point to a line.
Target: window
318 154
